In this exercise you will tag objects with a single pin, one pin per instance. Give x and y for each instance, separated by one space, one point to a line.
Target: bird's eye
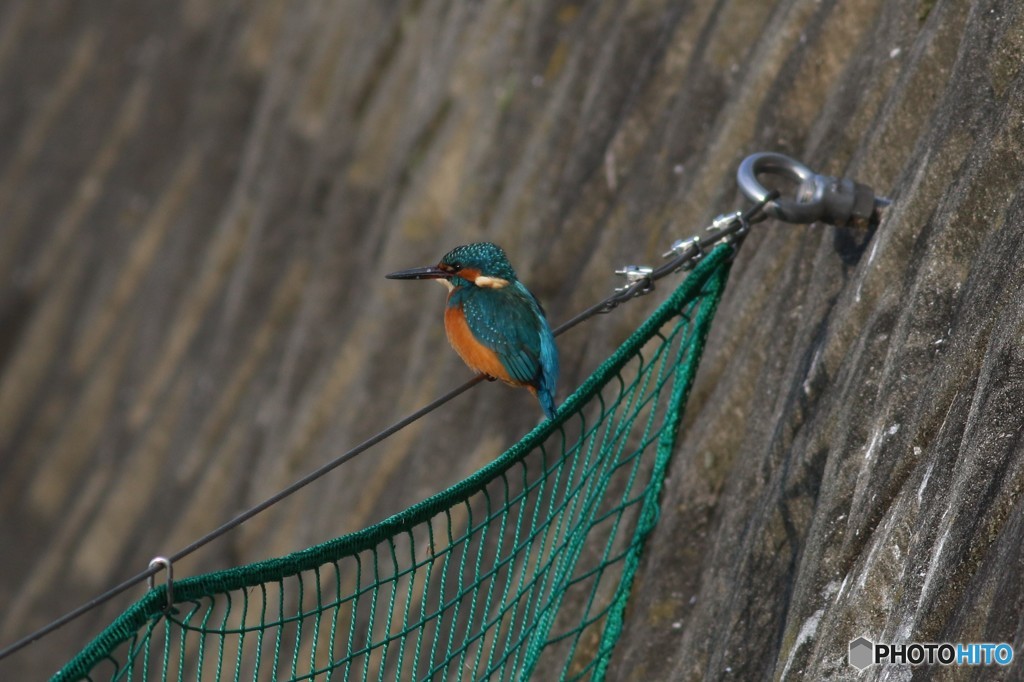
455 267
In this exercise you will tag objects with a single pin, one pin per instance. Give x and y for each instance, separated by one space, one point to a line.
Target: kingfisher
493 322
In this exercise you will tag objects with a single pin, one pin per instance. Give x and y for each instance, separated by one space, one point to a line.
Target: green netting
521 570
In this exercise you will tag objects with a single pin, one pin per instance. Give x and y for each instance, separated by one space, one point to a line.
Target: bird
492 320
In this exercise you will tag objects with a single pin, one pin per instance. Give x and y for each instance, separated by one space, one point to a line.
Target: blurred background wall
198 202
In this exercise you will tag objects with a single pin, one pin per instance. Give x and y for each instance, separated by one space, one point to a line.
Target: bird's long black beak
429 272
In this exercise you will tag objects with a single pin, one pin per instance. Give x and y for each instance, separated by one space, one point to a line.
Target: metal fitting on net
681 246
837 201
634 274
692 248
725 220
165 563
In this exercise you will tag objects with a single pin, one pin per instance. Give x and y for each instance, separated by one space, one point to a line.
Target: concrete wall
198 201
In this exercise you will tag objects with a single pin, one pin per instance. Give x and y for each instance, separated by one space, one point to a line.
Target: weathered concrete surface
197 202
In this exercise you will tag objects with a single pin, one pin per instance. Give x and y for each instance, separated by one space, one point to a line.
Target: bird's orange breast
478 356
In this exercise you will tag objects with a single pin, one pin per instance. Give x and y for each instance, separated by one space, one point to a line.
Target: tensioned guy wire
683 255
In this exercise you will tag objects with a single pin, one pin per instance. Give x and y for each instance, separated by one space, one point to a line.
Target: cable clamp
726 220
689 250
681 246
634 274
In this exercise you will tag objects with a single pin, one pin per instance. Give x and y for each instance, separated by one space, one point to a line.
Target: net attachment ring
164 562
836 201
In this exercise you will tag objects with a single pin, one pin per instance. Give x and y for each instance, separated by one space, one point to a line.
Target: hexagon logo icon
862 653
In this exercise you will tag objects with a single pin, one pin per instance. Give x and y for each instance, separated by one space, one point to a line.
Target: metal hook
166 563
837 201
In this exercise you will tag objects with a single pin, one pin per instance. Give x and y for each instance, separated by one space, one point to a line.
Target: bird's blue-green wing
506 322
511 322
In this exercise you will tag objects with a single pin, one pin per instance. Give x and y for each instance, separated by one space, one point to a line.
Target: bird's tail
549 372
546 398
547 402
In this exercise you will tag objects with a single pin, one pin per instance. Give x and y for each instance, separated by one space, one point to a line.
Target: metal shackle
837 201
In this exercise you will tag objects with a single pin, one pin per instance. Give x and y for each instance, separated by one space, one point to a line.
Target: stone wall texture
198 201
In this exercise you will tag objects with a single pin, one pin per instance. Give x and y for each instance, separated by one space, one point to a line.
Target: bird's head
482 264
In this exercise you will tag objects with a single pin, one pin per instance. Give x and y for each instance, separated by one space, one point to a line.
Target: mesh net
522 570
